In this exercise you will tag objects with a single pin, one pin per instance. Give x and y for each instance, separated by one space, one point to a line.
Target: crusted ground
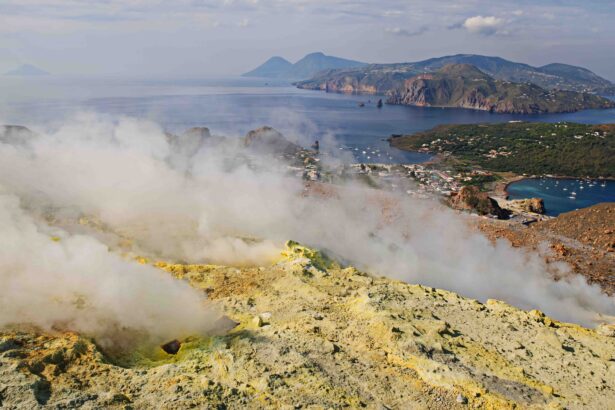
311 334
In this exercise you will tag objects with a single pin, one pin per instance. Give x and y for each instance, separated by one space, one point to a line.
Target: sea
564 195
232 106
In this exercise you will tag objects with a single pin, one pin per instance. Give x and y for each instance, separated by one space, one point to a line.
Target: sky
228 37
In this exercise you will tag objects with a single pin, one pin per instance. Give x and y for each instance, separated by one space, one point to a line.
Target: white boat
572 197
565 189
573 193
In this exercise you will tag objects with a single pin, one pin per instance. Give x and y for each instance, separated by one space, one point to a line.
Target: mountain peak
27 70
307 67
278 59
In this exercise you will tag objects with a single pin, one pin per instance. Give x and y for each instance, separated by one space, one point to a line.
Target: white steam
52 279
218 203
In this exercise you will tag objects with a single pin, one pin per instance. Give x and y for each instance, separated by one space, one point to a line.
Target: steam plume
221 204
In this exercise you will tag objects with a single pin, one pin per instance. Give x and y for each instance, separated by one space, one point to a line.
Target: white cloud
392 13
485 25
406 33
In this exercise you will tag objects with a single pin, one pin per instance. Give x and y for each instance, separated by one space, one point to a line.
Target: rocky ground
585 239
312 334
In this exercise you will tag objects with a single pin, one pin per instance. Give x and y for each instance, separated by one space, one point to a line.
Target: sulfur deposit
313 334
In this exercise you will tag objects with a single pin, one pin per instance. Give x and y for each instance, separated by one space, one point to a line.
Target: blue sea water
564 195
233 106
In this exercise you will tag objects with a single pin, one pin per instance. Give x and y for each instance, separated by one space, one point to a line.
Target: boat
572 197
573 193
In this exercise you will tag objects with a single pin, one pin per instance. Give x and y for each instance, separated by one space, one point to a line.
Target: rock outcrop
16 135
534 205
314 334
189 142
470 198
269 140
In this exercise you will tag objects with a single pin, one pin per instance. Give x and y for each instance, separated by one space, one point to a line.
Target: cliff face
454 85
311 333
470 198
465 86
370 80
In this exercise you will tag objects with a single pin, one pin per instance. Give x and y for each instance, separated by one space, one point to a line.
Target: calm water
564 195
233 106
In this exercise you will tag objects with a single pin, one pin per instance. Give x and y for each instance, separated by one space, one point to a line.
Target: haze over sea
235 105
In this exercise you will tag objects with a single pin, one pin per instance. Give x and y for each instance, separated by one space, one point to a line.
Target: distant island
27 70
465 86
383 77
561 149
307 67
475 82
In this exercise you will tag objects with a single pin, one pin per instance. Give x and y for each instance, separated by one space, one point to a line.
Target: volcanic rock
172 347
269 140
534 205
470 198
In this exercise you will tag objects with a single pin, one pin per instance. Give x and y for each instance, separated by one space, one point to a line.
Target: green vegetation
566 149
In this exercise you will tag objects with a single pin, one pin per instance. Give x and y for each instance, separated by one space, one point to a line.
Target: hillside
465 86
568 149
310 333
383 77
584 239
307 67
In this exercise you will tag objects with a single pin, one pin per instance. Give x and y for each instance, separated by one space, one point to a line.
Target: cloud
406 33
392 13
243 23
484 25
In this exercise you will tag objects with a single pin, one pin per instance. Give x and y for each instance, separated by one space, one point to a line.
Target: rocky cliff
454 85
550 77
312 333
470 198
465 86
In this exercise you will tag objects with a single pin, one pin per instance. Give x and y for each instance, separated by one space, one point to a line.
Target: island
473 82
464 86
564 149
27 70
307 67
